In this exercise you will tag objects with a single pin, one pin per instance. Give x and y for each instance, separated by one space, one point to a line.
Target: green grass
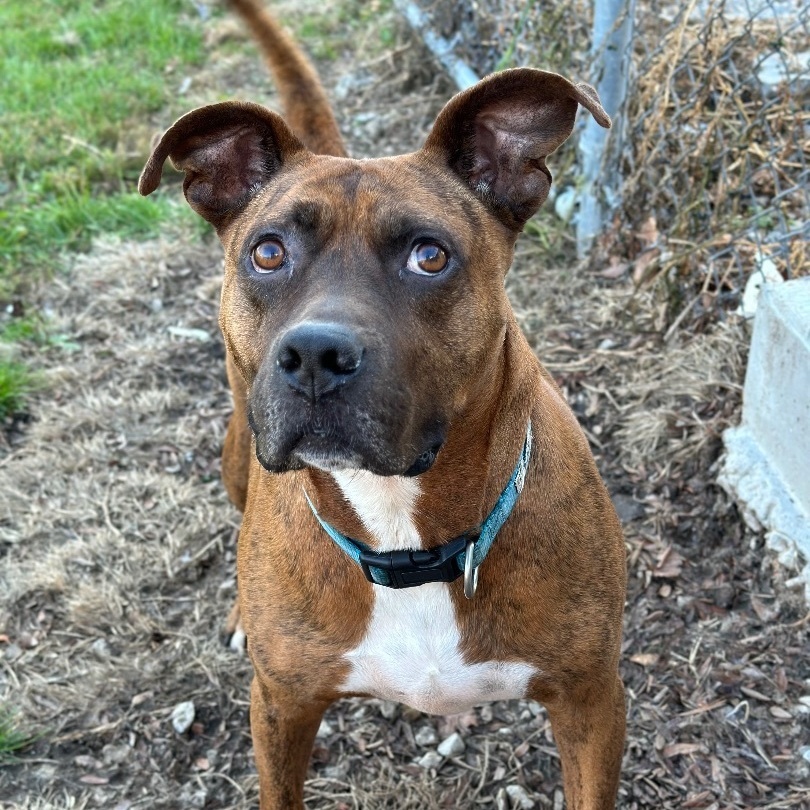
79 77
15 382
12 738
82 83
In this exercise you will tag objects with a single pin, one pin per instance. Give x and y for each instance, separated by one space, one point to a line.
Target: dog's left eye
268 256
427 259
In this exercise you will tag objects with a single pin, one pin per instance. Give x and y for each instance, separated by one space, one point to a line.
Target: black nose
316 358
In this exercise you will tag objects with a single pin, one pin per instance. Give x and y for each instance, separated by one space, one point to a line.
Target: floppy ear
497 134
228 151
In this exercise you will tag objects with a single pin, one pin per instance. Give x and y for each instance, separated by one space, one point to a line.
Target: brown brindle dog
378 371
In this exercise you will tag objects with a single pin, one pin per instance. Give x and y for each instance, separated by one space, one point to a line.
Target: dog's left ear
497 134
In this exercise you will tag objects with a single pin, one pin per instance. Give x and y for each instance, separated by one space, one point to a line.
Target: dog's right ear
228 151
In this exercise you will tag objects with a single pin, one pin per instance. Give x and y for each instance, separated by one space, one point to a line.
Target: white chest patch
410 652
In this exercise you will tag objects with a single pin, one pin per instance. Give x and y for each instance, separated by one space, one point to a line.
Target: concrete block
767 464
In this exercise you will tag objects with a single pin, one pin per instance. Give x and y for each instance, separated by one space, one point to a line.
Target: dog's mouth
326 454
333 450
424 462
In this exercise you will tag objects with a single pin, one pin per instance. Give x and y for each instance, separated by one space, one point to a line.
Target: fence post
610 72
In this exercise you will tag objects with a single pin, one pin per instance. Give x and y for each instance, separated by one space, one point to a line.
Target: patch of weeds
546 230
322 33
508 58
317 33
12 736
16 381
37 234
19 329
34 331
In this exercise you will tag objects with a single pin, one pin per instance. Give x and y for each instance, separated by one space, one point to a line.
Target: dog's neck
459 490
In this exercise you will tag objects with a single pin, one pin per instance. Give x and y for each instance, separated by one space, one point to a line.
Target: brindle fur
447 360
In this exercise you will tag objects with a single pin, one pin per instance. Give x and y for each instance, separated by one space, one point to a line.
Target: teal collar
462 555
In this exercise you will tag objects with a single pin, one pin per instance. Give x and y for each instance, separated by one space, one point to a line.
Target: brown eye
268 256
427 258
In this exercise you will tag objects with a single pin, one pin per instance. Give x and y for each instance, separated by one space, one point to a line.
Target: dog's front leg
588 725
283 731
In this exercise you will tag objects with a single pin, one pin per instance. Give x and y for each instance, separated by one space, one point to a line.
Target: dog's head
363 301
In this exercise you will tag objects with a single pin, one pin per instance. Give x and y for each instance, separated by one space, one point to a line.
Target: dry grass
716 157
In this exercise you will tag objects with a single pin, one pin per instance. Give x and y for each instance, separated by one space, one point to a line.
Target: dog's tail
304 101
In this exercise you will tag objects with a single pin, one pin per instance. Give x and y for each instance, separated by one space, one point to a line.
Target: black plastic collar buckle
406 569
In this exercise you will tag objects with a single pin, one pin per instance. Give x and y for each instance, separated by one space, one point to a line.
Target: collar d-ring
470 572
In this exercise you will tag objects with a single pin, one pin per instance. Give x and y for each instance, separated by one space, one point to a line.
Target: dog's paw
237 640
233 634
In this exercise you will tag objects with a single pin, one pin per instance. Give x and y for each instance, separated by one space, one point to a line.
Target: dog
423 519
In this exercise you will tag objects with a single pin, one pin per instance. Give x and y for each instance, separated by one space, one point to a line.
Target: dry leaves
670 564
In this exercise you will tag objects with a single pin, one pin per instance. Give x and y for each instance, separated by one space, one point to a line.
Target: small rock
501 800
191 796
430 760
100 648
87 762
189 333
44 774
388 709
183 716
12 652
558 799
324 730
453 746
425 736
564 203
337 772
27 641
627 508
519 798
535 708
115 754
804 752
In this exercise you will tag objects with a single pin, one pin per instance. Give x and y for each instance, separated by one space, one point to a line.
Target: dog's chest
411 651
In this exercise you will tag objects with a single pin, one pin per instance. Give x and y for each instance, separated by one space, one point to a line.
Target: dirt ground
117 541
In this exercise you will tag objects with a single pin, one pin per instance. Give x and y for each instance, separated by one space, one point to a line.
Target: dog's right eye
268 256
